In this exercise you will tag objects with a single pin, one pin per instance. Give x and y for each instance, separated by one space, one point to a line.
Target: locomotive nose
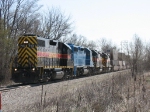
27 51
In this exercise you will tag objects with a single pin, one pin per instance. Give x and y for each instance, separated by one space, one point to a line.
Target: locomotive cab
97 60
106 62
26 60
41 59
78 56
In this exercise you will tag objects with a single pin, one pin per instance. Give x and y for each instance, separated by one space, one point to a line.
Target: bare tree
146 57
17 17
2 52
91 44
136 52
56 25
75 39
105 44
79 40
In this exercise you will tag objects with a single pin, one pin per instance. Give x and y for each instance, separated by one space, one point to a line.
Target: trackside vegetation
116 92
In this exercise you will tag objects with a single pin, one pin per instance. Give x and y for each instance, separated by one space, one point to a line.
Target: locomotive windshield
104 55
52 42
75 49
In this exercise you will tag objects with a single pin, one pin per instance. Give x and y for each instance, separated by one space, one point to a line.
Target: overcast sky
117 20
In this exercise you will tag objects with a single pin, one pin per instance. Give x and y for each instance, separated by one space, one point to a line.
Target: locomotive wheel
90 71
81 72
65 75
49 76
78 73
46 76
36 80
70 74
88 74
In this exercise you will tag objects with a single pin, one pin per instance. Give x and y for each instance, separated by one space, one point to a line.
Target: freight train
41 59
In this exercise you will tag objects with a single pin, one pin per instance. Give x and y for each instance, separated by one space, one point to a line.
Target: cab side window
41 43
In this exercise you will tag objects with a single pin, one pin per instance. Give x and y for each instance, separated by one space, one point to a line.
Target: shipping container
113 54
114 62
121 56
120 65
124 64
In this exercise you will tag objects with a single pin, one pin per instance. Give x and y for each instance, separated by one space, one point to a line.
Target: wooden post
0 103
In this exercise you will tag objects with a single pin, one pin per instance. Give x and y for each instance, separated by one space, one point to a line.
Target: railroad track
19 86
13 87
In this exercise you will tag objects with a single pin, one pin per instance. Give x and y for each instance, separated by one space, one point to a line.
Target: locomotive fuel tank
86 71
58 75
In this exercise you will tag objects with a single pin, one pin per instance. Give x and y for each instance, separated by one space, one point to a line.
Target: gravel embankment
19 98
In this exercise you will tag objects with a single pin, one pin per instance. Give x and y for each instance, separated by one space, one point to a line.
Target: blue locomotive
82 60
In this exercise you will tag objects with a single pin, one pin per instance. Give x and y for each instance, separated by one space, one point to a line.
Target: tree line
24 16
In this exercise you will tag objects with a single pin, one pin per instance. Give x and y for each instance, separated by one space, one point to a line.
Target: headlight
33 69
25 42
15 69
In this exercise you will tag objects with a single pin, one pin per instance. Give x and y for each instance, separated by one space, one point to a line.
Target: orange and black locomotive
41 59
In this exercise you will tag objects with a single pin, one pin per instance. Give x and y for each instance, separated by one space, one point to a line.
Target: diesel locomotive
42 59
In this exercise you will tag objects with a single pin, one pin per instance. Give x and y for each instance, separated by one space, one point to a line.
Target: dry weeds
118 93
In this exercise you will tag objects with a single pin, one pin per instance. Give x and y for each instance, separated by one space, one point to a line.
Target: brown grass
119 93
